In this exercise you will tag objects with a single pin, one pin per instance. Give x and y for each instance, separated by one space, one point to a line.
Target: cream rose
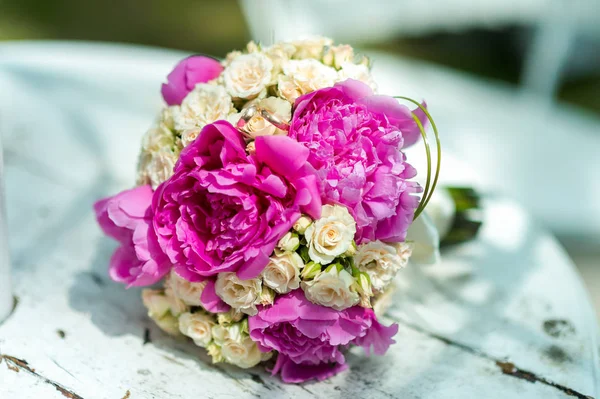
237 293
380 261
357 72
198 326
335 56
237 347
331 235
282 273
311 47
247 75
159 152
157 137
189 135
203 105
304 76
187 291
230 57
169 324
279 54
156 302
160 167
159 306
332 289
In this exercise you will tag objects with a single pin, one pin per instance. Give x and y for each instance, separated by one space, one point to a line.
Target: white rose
202 106
357 72
335 56
332 289
282 273
289 242
279 54
169 324
259 126
158 306
331 235
189 135
160 167
236 347
189 292
230 57
237 293
311 47
404 250
247 75
156 302
198 326
157 137
380 261
304 76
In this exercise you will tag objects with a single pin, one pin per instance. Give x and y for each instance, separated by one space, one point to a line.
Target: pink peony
309 337
183 78
355 140
224 210
127 217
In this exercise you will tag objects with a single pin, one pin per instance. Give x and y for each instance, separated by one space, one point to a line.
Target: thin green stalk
427 194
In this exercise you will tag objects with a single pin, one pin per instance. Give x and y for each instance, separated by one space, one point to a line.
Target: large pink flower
185 75
224 210
355 140
127 218
309 337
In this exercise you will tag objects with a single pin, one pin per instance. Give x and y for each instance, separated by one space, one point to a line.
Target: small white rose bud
364 289
302 224
231 316
289 242
156 303
335 56
338 267
310 271
267 296
214 351
169 324
351 250
244 328
253 47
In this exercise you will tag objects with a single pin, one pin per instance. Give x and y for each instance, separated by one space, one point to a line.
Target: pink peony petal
293 373
186 74
127 217
282 154
211 301
378 337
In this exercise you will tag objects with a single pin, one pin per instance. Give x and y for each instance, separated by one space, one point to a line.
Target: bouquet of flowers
272 204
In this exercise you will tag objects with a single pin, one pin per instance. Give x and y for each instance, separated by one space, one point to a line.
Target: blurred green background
216 27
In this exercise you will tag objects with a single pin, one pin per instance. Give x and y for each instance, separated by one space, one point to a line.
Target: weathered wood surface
505 316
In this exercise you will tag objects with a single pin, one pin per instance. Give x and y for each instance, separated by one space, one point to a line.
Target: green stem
427 194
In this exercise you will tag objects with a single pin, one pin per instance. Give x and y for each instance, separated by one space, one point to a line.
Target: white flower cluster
269 78
318 256
177 311
322 259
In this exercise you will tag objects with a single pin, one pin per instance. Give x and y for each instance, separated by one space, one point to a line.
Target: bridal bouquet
271 207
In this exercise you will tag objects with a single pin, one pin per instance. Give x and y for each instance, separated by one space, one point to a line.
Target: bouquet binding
272 205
